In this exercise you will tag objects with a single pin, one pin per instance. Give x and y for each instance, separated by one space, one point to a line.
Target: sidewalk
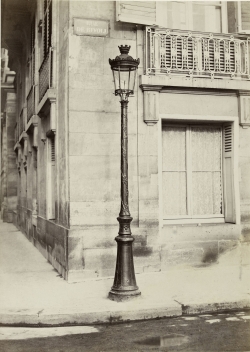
32 292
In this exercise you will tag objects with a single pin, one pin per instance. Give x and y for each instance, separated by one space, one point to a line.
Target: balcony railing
197 54
31 103
45 74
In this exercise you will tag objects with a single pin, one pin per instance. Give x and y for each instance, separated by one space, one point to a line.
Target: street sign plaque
91 27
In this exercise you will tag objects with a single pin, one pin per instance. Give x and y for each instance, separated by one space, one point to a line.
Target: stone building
8 189
189 155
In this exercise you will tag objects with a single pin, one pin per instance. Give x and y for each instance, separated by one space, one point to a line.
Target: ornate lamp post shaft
124 286
124 159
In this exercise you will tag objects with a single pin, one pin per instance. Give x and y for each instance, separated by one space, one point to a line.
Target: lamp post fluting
124 287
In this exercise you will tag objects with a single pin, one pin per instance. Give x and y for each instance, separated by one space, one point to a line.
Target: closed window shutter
245 15
53 150
239 16
228 167
141 12
33 28
51 179
47 26
186 15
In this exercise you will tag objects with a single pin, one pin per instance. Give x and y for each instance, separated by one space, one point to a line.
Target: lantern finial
124 49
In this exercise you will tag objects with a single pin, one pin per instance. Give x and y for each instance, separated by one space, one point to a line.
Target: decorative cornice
160 82
185 90
199 91
243 92
151 87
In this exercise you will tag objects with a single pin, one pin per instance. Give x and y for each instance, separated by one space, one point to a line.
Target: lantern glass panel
124 80
132 75
116 79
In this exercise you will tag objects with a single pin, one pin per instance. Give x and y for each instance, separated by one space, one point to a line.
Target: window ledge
205 224
47 100
33 121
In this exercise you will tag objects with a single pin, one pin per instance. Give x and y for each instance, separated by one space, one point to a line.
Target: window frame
224 20
189 16
190 217
196 119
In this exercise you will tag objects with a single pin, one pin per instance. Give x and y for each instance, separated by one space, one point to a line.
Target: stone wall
94 158
9 172
244 164
48 235
94 143
62 129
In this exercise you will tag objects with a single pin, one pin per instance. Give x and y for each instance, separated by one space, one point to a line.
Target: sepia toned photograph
125 176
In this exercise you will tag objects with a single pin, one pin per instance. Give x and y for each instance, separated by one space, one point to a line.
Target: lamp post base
123 296
124 287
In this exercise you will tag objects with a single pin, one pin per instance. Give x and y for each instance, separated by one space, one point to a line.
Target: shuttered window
34 182
31 60
141 12
31 73
52 150
47 26
197 183
228 140
205 16
243 16
51 178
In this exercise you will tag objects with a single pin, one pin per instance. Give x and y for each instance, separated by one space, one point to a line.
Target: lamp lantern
124 69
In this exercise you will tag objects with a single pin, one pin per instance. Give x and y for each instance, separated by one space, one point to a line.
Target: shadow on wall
228 253
210 257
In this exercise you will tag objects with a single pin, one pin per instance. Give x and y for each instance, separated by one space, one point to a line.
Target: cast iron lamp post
124 71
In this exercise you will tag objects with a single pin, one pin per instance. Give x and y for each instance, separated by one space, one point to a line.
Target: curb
213 308
118 316
87 318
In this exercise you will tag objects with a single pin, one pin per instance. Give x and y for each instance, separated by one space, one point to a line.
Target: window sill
195 222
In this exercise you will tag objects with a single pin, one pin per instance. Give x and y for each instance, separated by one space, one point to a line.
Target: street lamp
124 71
